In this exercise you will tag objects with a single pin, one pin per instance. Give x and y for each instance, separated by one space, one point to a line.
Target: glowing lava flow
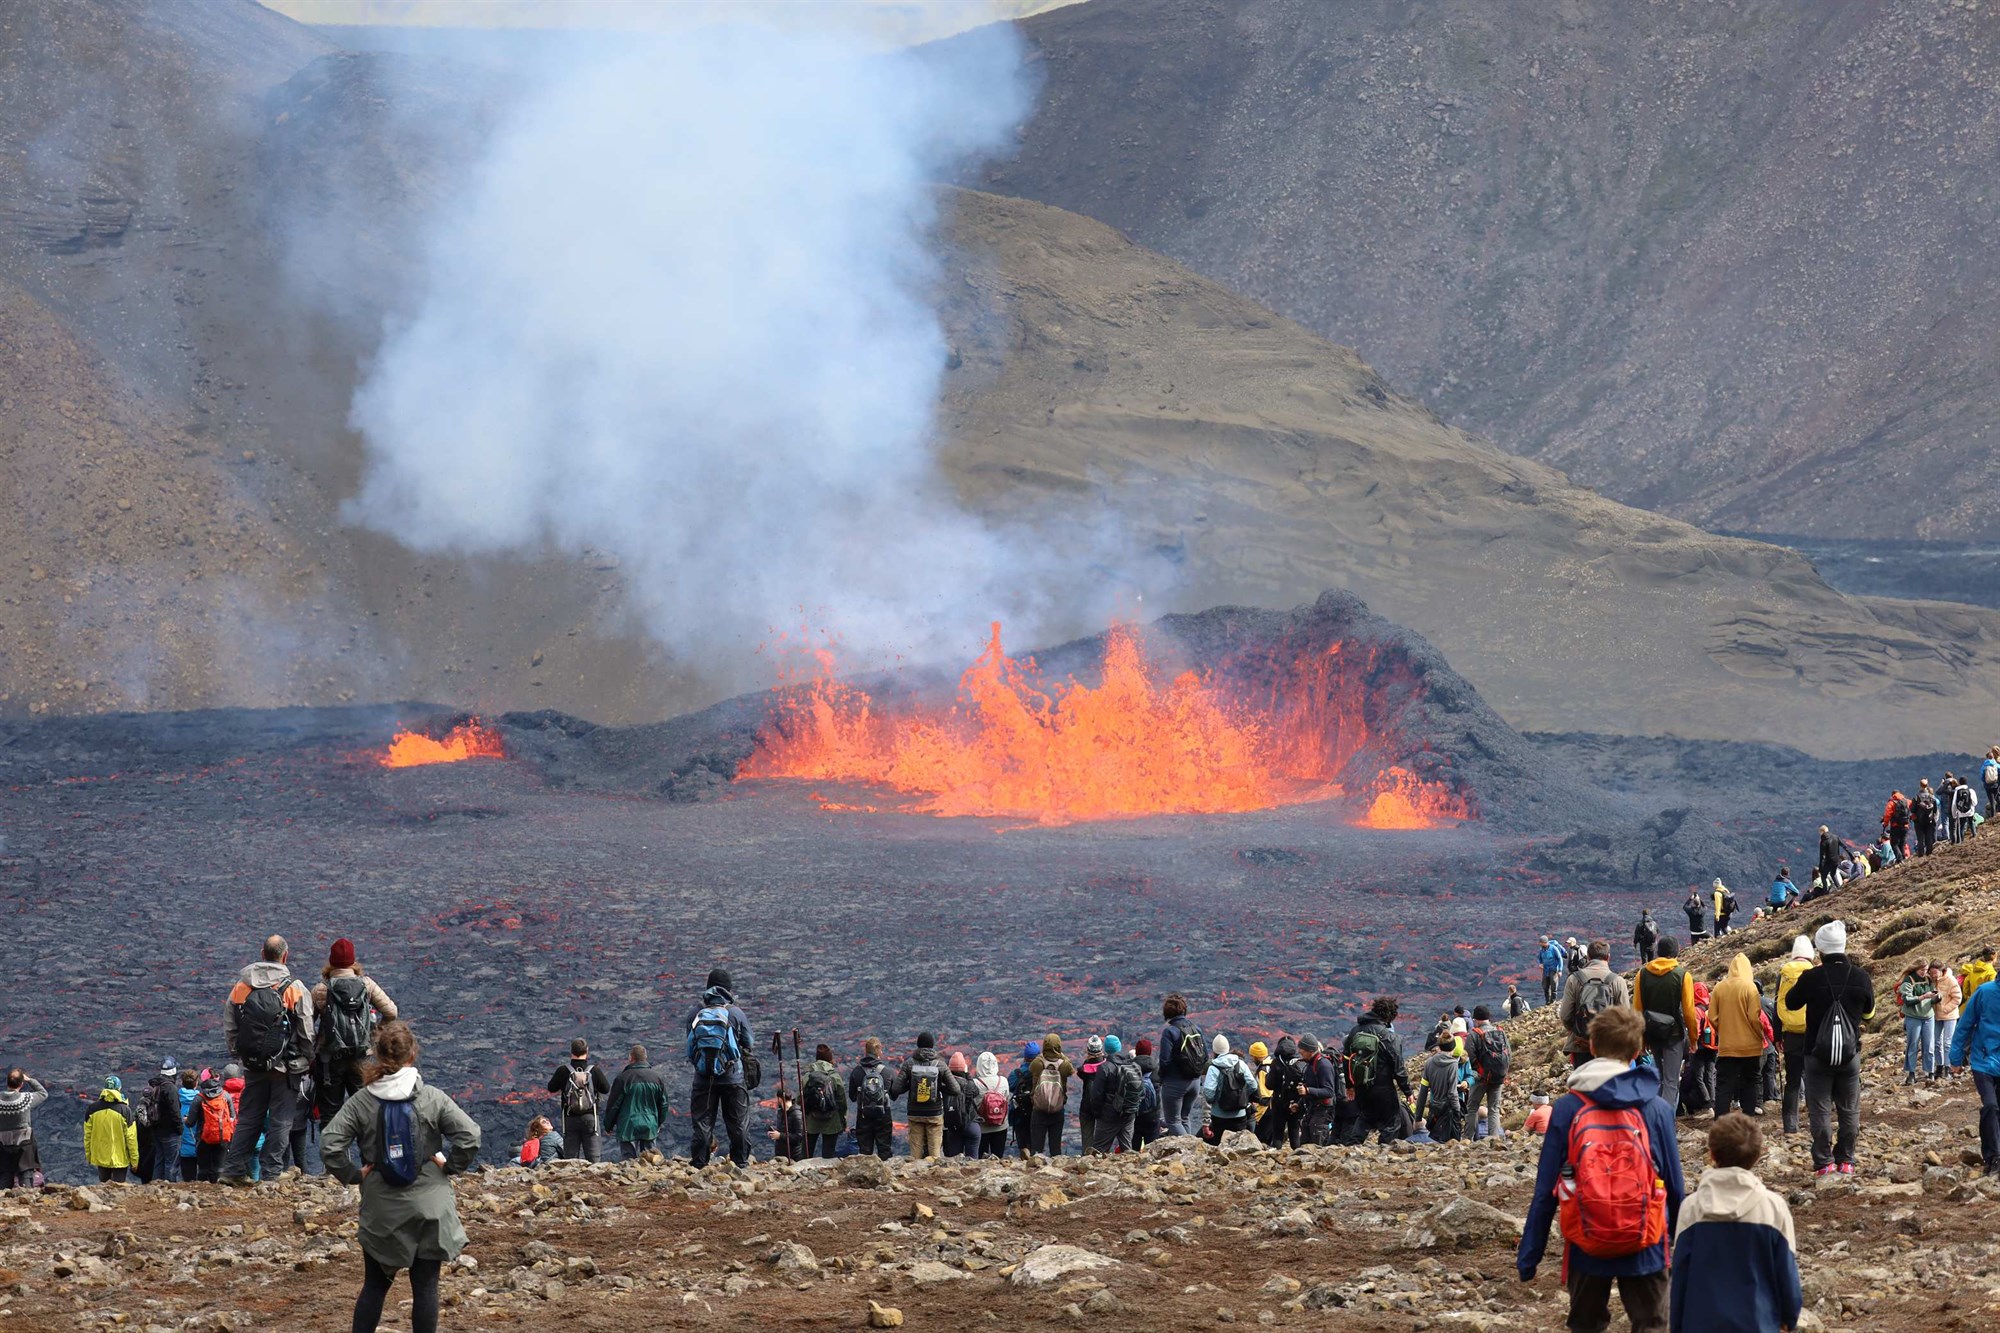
467 740
1057 754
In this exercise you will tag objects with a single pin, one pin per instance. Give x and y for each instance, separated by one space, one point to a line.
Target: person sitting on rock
542 1144
1735 1255
1539 1112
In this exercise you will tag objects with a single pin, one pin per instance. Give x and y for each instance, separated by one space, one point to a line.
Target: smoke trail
683 315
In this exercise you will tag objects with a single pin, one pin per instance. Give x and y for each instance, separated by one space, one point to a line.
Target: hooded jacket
1607 1083
1949 996
1735 1265
419 1221
260 974
1834 981
716 997
17 1112
1052 1054
1918 996
986 1077
166 1097
1211 1088
1976 1040
901 1084
1553 958
825 1124
1123 1086
1651 986
1972 976
1794 1023
1737 1013
110 1136
190 1098
1620 994
637 1094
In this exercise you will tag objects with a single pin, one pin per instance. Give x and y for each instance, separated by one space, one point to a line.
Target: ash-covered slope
1730 262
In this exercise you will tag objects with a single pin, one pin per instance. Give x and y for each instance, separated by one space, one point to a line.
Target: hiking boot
1910 1079
1827 1170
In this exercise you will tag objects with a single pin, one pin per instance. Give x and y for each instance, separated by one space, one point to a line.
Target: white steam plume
684 315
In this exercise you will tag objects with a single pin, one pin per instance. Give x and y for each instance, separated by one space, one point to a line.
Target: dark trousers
1899 838
375 1283
270 1103
822 1145
1111 1134
992 1143
1831 1094
1669 1059
13 1171
871 1136
629 1149
143 1168
1314 1125
1739 1081
582 1138
1485 1103
190 1170
1146 1128
1926 837
167 1157
208 1161
339 1079
731 1102
112 1173
1795 1079
1645 1300
1382 1114
1021 1132
1989 1120
1045 1133
1551 986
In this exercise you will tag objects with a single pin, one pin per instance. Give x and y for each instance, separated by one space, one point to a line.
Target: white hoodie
397 1087
986 1074
1732 1194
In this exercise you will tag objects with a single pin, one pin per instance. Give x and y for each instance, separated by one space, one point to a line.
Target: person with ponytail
410 1138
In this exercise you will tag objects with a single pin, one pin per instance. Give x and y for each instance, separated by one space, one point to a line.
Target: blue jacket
1734 1266
1554 958
1977 1039
1783 891
1609 1083
189 1123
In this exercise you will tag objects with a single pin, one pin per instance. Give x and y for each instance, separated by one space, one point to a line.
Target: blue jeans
167 1158
1919 1039
1941 1044
1179 1100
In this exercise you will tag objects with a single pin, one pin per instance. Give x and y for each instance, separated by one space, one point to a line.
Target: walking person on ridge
347 1004
1792 1032
1664 997
1645 936
1975 1043
1837 996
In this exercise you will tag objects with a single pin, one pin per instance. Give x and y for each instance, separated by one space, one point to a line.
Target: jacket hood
824 1067
925 1055
987 1065
1615 1083
716 995
261 973
1739 971
1733 1194
111 1095
233 1086
1659 967
1052 1046
397 1087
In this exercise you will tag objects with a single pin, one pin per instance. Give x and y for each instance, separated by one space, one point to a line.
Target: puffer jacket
418 1221
1737 1015
110 1135
1948 997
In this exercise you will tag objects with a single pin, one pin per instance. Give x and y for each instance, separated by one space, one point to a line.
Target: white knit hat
1832 938
1220 1046
1802 948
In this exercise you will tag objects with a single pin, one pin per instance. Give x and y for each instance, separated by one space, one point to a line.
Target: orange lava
1406 802
1018 747
468 740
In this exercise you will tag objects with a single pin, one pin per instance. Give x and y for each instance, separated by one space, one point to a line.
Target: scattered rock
930 1272
792 1257
1460 1223
1297 1222
866 1171
884 1316
1050 1262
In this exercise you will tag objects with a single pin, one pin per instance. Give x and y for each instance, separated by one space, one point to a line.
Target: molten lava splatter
1407 802
1019 747
468 740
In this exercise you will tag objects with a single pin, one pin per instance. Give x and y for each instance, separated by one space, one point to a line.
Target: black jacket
1123 1086
899 1082
1835 980
165 1095
1387 1036
715 997
598 1083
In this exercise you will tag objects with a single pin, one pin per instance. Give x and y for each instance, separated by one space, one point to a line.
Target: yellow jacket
1736 1012
1792 1021
1972 976
110 1136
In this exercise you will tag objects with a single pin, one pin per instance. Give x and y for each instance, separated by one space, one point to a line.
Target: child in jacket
1736 1268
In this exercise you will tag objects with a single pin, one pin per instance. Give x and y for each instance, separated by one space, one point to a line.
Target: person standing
1918 997
824 1097
188 1097
1183 1054
581 1087
874 1108
1697 915
1645 936
1020 1115
1121 1088
412 1139
637 1106
347 1003
1048 1077
1792 1032
1989 776
1828 869
1735 1255
1318 1090
961 1110
1896 823
925 1085
1147 1123
1944 1014
1664 997
719 1040
1555 961
19 1159
1588 993
1491 1058
217 1110
992 1101
1975 1043
160 1122
1373 1057
1837 997
1964 805
111 1134
1924 811
1737 1014
1620 1202
268 1028
1229 1088
1725 908
1516 1004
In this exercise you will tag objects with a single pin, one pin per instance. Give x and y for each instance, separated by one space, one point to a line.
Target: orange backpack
1610 1199
218 1118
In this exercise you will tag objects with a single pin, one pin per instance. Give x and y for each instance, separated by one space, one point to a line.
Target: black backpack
1648 931
1232 1090
871 1096
265 1026
1131 1088
579 1093
350 1022
1491 1056
1963 801
1190 1053
1023 1090
1838 1044
1925 805
819 1098
1091 1103
1593 997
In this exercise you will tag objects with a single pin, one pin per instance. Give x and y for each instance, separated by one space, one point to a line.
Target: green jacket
826 1124
418 1221
110 1138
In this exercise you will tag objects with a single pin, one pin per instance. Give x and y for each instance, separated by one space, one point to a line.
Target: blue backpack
401 1160
711 1045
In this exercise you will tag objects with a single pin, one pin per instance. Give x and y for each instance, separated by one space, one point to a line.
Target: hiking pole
798 1072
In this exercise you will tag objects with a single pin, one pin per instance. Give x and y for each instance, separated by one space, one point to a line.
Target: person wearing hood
19 1159
582 1087
1048 1083
868 1085
638 1106
926 1085
412 1139
1230 1089
110 1134
1121 1087
267 1025
1917 994
1613 1093
1318 1092
1697 915
719 1038
1792 1031
1833 1078
215 1110
1086 1102
992 1104
1976 972
1975 1043
961 1111
824 1096
1146 1123
1725 907
159 1117
1736 1011
188 1097
1664 997
1646 936
1736 1267
1021 1092
1555 961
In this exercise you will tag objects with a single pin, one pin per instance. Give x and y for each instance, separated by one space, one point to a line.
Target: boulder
1052 1262
1460 1223
884 1316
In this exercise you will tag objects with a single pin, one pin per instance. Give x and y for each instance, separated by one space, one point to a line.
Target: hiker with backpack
1021 1089
581 1087
1925 808
992 1103
1645 936
1735 1254
1283 1082
1516 1004
637 1106
1837 996
111 1133
1611 1168
412 1139
1725 907
823 1096
1373 1061
19 1157
1989 777
1896 824
1555 962
1440 1109
1736 1012
1229 1088
1697 916
874 1109
1086 1079
1589 992
187 1097
1048 1080
1318 1093
159 1119
722 1052
1183 1054
541 1144
1792 1032
347 1003
1120 1089
1964 809
267 1025
961 1114
1974 1043
1147 1122
1492 1058
1664 997
926 1085
1917 994
216 1111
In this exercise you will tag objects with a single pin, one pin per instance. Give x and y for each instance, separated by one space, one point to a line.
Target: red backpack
218 1118
993 1108
1610 1199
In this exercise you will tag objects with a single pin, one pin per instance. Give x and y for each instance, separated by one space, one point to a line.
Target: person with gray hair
268 1027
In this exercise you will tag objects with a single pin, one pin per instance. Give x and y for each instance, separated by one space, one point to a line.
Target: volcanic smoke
1019 747
467 740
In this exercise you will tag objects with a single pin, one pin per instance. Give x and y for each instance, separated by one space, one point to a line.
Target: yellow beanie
1259 1051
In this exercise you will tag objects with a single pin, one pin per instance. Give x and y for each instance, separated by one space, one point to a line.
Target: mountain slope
1724 261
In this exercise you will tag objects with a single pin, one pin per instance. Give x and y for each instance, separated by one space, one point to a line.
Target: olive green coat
418 1221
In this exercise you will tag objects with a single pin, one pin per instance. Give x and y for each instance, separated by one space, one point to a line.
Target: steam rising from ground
683 314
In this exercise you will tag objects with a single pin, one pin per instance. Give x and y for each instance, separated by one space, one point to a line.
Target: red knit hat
1144 1047
341 955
